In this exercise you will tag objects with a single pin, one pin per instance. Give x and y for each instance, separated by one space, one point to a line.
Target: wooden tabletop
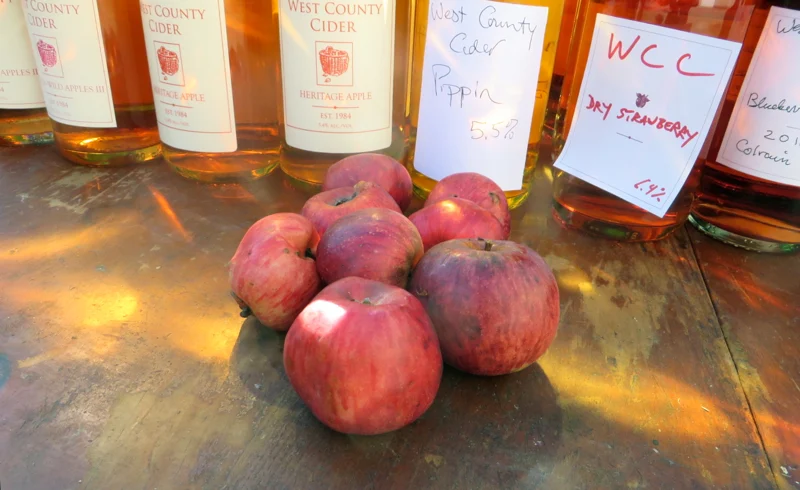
124 363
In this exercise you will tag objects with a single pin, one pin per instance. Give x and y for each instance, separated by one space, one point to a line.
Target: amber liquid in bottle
738 208
24 127
23 118
424 184
308 168
560 67
244 126
134 139
580 205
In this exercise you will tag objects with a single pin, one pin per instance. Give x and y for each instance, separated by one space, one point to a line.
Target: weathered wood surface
757 299
124 364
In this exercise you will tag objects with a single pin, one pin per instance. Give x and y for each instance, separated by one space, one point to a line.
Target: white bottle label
19 85
647 101
337 62
187 50
479 86
69 51
763 135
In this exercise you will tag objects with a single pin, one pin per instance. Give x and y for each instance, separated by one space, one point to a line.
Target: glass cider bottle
343 68
93 72
749 194
213 67
581 205
560 68
475 112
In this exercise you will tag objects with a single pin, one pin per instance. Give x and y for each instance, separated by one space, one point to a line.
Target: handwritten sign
647 101
763 135
479 83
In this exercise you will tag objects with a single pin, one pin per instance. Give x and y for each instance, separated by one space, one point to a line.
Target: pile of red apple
374 302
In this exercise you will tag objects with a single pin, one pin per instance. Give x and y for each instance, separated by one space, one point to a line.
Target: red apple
478 189
455 218
364 357
328 206
377 244
383 170
271 275
494 304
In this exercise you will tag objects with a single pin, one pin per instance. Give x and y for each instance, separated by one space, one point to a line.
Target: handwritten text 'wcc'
647 55
463 45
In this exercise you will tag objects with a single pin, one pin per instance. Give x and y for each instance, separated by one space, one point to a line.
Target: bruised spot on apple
494 304
326 207
455 218
378 244
474 187
382 170
273 275
364 357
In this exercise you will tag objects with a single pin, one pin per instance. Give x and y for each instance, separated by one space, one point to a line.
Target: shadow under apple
505 430
257 359
480 433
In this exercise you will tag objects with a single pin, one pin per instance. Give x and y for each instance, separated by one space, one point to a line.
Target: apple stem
487 246
245 310
366 301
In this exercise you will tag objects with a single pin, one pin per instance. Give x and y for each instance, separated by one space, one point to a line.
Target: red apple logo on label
641 100
334 62
168 61
47 53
